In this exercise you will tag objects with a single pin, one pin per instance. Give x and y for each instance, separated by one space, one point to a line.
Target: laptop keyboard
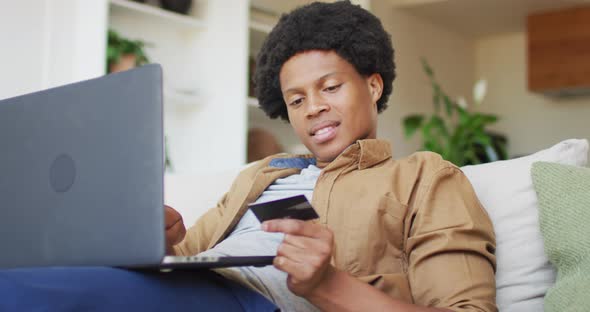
188 259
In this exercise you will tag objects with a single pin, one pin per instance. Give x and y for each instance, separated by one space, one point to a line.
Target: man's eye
332 88
296 102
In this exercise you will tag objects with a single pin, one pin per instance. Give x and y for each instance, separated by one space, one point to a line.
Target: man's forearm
342 292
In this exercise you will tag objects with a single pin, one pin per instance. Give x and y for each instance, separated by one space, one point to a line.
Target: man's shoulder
425 161
422 166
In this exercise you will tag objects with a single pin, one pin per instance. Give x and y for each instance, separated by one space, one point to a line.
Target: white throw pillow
505 188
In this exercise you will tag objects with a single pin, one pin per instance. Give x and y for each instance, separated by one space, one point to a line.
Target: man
399 235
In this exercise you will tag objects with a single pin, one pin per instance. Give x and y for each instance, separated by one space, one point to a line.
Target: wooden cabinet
559 52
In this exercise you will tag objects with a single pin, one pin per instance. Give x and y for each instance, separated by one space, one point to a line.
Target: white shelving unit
151 11
138 20
182 98
205 124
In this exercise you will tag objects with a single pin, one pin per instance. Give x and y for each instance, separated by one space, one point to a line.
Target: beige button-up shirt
412 228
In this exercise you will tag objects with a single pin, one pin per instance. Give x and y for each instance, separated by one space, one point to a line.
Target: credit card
296 207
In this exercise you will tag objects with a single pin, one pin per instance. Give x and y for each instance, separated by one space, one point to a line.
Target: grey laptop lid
81 173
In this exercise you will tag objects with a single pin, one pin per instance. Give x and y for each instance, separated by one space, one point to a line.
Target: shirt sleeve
450 245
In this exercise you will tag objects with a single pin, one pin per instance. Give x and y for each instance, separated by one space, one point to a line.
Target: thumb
171 216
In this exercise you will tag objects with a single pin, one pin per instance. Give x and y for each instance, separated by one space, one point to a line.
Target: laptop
81 177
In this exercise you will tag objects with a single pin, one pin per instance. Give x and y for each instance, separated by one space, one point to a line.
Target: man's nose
315 105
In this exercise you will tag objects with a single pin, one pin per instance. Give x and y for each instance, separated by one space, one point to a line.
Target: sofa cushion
564 214
505 189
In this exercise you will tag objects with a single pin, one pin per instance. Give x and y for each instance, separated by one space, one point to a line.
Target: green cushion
564 213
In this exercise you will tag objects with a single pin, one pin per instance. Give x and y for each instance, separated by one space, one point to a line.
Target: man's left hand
175 230
304 254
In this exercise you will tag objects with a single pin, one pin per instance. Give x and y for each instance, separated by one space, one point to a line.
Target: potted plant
123 53
459 134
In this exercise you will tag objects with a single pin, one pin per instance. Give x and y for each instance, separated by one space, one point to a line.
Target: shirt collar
368 152
372 152
300 162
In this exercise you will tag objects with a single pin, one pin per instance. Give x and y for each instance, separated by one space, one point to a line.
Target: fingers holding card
305 252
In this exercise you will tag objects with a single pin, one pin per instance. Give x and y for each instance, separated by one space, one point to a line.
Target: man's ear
375 83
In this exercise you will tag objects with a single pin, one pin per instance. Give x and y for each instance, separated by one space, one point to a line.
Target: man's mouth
324 131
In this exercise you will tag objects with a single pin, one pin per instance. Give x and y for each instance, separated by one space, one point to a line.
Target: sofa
524 198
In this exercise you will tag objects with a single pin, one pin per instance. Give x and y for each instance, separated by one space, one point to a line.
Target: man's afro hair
352 32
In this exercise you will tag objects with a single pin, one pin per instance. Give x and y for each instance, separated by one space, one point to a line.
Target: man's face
330 105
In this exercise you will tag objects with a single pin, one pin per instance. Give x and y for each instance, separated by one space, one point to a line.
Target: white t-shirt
247 239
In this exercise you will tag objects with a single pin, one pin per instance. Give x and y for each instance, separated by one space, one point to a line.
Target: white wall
531 121
44 43
22 45
218 132
450 55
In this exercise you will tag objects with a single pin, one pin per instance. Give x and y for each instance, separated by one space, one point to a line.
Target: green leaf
436 97
427 136
449 104
436 93
464 116
438 123
433 135
427 68
456 139
411 124
482 138
476 121
489 119
433 146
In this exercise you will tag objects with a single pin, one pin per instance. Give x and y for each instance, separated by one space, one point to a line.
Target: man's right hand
175 229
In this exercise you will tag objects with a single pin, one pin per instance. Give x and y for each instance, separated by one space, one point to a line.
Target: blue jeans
111 289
